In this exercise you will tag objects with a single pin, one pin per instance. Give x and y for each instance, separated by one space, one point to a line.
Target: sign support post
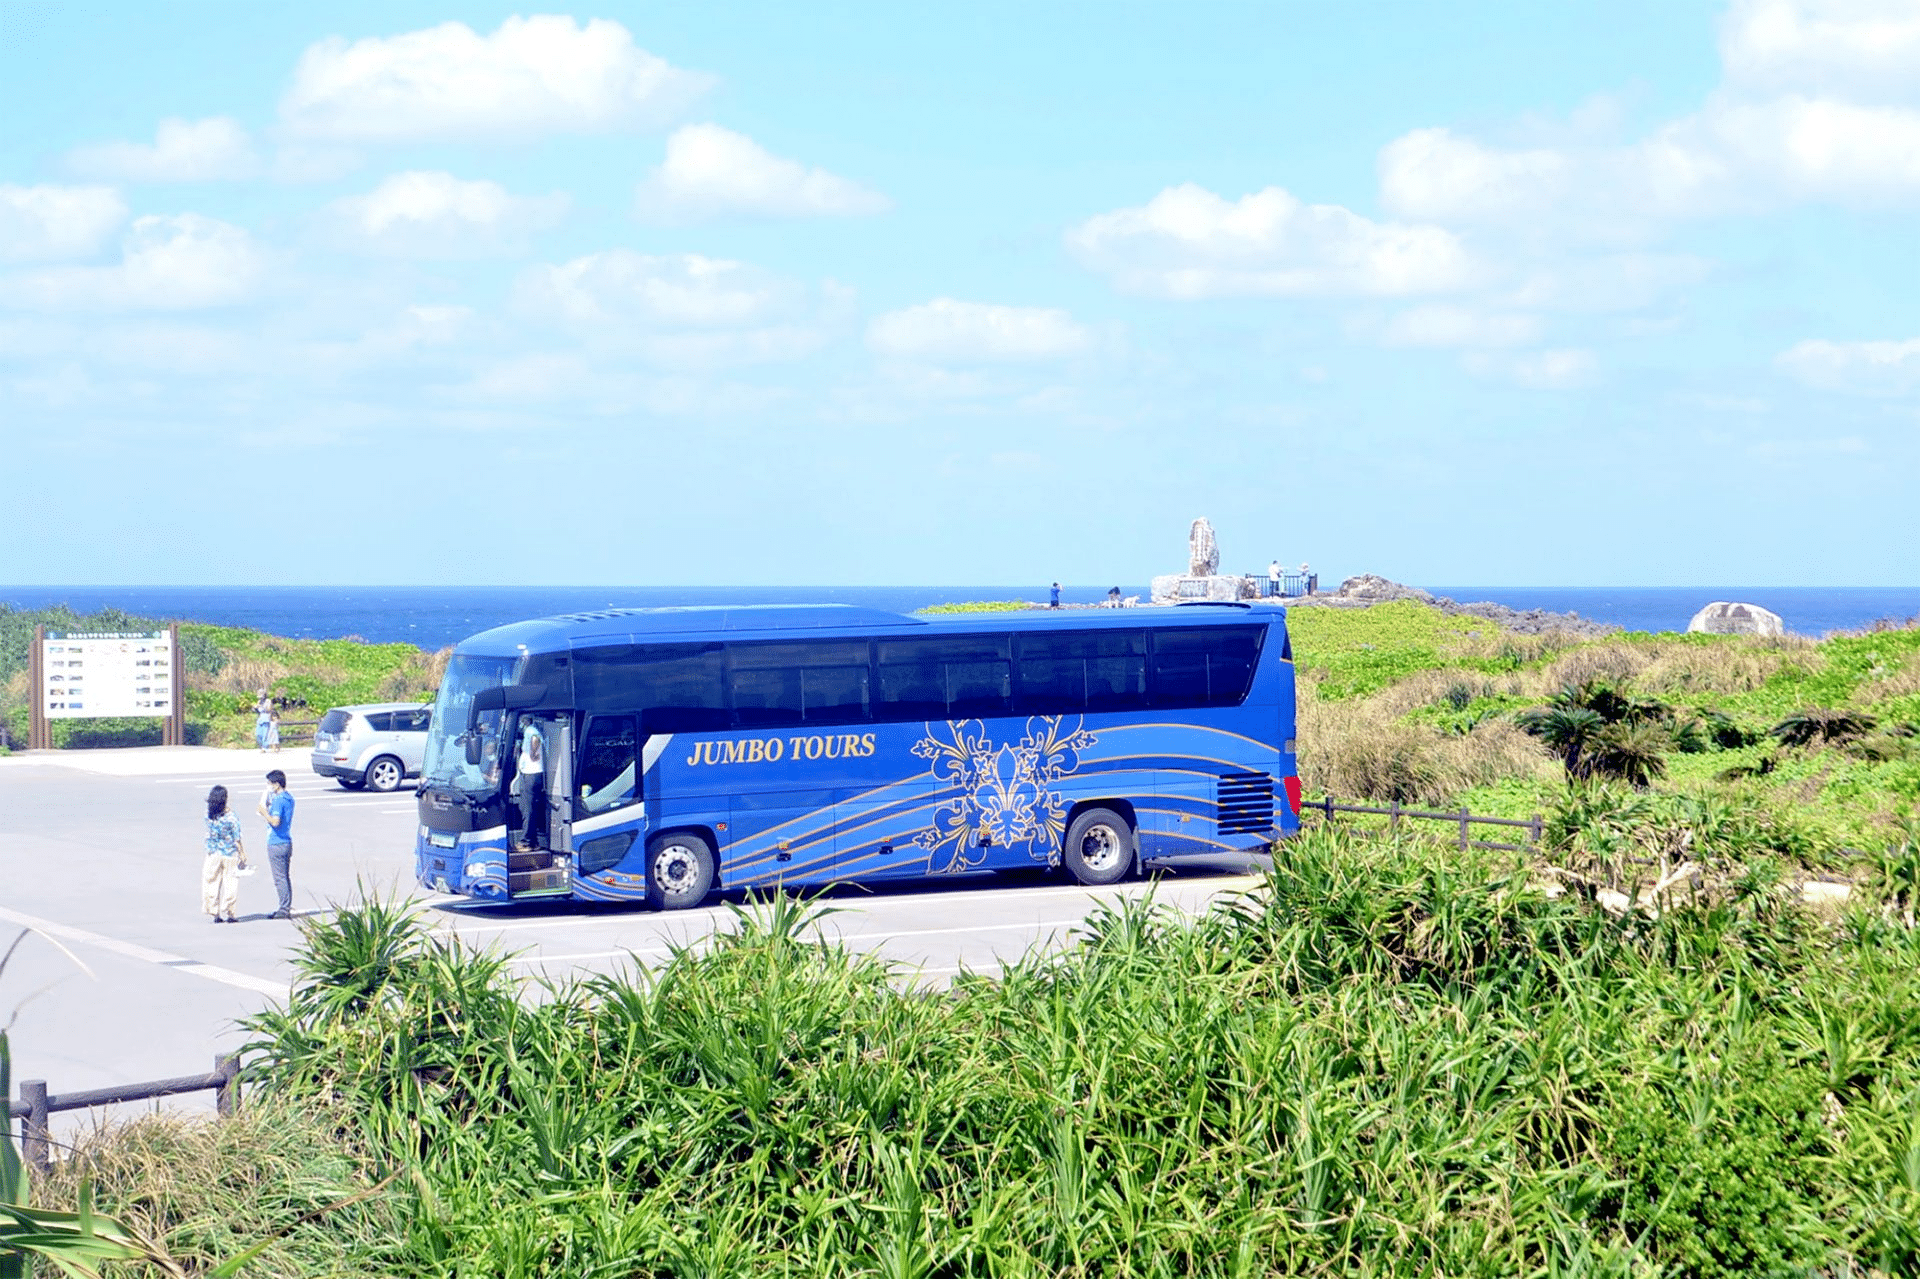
38 736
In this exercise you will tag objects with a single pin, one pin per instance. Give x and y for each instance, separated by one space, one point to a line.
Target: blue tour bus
689 749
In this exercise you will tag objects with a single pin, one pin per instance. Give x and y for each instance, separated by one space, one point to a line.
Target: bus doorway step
521 858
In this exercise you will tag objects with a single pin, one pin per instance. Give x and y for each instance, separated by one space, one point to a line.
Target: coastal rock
1724 618
1368 589
1371 588
1203 551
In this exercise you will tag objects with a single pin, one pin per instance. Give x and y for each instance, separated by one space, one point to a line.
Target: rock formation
1203 552
1370 588
1723 618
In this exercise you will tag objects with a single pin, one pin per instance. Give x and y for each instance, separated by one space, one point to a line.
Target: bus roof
711 623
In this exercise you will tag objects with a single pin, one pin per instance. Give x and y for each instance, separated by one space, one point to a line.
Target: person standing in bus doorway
262 716
1054 601
530 780
277 807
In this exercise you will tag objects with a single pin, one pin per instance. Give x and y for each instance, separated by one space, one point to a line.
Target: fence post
226 1098
1533 831
1393 824
1327 799
33 1132
1465 817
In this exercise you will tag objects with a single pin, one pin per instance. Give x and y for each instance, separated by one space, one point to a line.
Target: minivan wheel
385 774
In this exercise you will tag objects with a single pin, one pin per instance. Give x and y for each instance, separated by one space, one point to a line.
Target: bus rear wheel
1099 847
679 871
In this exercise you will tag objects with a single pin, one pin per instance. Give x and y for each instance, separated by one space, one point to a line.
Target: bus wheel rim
675 867
1100 849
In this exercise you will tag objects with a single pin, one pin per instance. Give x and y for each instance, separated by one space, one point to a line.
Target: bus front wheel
679 871
1099 848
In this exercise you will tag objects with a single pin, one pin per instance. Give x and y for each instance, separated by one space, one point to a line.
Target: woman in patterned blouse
219 877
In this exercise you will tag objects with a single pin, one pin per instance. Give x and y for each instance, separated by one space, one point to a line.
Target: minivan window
412 721
380 721
334 722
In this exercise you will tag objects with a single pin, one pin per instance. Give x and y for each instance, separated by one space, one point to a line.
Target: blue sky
1573 294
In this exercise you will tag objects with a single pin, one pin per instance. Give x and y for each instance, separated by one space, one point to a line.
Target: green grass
1390 1059
979 606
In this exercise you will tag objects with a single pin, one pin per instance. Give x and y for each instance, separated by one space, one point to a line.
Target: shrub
1821 724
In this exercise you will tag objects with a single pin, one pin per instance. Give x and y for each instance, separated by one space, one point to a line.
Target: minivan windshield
446 756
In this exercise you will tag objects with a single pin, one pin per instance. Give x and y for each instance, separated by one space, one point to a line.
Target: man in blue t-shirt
277 807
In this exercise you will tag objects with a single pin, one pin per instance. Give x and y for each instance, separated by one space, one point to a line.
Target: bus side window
1202 667
608 767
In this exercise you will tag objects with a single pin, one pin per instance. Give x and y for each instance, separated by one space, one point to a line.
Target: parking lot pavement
100 852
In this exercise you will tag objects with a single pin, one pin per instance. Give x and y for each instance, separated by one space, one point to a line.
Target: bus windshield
446 757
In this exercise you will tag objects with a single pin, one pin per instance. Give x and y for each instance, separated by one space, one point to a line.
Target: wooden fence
36 1105
1465 820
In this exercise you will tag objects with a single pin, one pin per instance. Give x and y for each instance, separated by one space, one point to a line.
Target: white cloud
182 151
683 310
1434 173
432 214
1817 104
182 262
947 331
620 287
1606 282
1459 326
1852 46
1553 370
1864 368
532 77
711 170
1188 242
46 223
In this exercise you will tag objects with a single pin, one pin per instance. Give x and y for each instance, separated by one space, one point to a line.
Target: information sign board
93 675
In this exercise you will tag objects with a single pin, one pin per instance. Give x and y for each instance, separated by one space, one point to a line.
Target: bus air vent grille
1246 803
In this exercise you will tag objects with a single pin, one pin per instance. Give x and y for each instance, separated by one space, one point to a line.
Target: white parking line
145 954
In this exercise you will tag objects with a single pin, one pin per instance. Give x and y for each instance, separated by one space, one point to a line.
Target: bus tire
1099 847
679 870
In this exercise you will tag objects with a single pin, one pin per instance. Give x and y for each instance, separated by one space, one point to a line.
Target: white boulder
1723 618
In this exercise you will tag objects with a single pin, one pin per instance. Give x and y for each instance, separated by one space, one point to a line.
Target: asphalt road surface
100 851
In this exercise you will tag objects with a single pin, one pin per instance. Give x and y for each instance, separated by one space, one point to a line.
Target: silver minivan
377 746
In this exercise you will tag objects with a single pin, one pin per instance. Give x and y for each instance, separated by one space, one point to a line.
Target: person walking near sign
226 857
262 716
277 807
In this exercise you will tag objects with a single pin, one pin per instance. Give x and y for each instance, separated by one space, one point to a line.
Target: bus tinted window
607 763
951 677
1067 672
675 687
1203 667
776 684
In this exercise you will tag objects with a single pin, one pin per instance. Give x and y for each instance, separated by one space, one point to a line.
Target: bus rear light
1293 794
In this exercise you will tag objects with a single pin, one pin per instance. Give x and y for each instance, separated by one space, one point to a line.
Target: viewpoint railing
37 1106
1466 820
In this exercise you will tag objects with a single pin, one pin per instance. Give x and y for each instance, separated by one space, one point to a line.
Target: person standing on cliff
262 716
277 807
1054 601
1273 577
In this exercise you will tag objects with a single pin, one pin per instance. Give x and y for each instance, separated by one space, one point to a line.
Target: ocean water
436 616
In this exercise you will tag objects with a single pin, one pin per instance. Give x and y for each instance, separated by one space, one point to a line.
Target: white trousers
219 885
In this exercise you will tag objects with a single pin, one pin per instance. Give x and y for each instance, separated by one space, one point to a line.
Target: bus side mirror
510 697
473 748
